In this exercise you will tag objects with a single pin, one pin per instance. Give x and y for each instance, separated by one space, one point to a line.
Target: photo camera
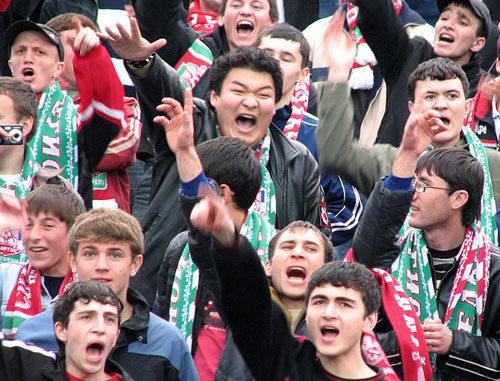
15 132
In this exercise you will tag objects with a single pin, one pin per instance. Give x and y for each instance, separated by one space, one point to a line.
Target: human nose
28 55
102 262
250 101
246 8
330 311
440 103
36 232
99 324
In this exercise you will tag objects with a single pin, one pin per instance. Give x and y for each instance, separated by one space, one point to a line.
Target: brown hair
64 22
107 225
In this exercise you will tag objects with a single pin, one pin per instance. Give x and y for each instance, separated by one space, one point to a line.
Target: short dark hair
287 32
231 161
24 99
302 225
246 58
64 22
436 69
57 197
83 292
349 275
273 11
460 170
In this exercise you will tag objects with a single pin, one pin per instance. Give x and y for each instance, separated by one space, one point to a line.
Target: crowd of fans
198 190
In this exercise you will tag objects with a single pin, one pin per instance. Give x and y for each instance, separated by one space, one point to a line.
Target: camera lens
15 136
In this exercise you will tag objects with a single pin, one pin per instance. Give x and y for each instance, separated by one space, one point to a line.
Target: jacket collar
135 328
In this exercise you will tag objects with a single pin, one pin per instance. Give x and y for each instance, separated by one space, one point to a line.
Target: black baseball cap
480 9
24 25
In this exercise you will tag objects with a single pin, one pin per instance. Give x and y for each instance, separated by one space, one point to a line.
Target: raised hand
211 216
13 213
339 48
86 39
131 46
178 123
420 130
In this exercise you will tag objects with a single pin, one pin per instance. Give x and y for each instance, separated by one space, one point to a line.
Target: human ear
61 331
478 44
370 322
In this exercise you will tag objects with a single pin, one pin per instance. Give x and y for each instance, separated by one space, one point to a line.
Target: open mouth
244 26
329 333
446 38
445 120
246 122
94 351
28 72
296 273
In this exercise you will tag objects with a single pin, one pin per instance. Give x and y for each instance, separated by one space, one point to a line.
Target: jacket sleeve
101 108
338 151
165 19
122 149
385 34
258 325
477 357
160 81
375 243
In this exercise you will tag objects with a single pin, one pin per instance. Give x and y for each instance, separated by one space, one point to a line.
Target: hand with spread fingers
131 45
178 122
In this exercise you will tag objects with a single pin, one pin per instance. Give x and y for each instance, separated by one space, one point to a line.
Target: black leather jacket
470 357
293 169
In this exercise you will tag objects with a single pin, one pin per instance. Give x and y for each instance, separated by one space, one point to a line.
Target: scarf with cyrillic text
11 246
404 321
55 143
25 300
194 63
298 104
362 68
199 20
466 304
256 229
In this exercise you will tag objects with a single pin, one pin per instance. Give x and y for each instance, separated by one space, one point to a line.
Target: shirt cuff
191 187
398 183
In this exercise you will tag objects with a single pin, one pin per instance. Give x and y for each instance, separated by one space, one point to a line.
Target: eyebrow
268 87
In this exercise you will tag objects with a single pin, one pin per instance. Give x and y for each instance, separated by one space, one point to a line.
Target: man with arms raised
443 261
460 32
240 22
87 325
440 84
289 46
245 86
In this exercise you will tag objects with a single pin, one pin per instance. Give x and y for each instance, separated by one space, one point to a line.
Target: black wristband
140 64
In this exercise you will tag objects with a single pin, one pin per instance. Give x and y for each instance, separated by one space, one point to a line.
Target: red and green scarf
298 104
199 20
25 301
256 229
194 63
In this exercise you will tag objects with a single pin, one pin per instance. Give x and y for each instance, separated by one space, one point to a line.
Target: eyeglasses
419 187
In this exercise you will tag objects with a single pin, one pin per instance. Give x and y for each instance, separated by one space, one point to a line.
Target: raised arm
259 326
385 34
165 19
338 150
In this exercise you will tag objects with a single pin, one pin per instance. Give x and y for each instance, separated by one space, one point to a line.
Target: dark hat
24 25
479 8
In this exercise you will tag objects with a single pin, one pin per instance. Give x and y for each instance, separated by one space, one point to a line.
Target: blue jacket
343 201
148 348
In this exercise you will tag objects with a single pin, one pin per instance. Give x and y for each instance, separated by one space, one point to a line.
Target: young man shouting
87 325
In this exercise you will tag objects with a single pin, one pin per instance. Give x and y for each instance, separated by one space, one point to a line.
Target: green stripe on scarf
55 144
256 229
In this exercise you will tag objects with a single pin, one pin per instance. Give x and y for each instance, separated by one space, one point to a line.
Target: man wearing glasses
442 259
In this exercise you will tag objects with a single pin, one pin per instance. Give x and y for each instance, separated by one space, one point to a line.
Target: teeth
296 272
245 25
